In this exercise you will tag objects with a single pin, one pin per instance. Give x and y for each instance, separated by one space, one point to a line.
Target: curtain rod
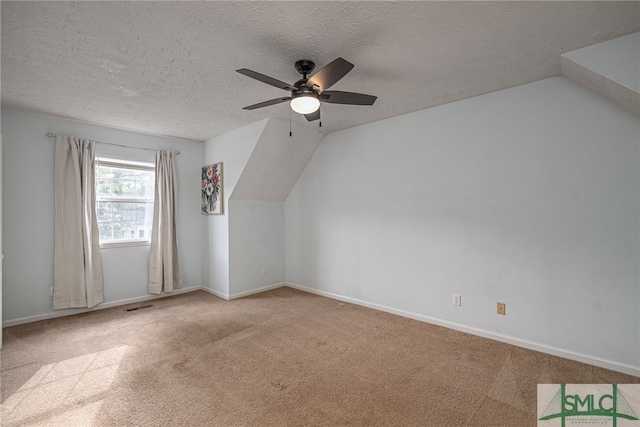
53 135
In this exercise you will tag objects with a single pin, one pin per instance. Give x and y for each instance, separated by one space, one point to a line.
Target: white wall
233 149
256 230
261 164
528 196
28 214
256 208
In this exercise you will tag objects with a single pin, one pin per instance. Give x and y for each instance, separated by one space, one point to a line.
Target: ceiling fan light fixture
305 104
307 93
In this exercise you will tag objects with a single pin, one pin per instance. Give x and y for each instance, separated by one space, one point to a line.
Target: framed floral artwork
212 189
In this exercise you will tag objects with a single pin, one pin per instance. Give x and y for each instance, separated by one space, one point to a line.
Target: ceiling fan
307 93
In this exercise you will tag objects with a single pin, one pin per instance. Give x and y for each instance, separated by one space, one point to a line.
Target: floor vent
140 307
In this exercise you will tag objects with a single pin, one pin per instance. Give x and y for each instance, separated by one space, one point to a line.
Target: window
124 201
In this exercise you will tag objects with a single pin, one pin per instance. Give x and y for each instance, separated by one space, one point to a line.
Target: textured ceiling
168 68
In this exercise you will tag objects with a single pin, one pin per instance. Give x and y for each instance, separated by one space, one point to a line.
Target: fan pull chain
290 133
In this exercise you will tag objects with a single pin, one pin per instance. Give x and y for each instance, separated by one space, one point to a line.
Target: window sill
124 244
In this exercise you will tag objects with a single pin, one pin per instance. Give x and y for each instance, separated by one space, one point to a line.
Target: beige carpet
281 358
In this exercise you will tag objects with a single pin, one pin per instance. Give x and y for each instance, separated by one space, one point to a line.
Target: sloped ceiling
276 161
611 69
168 68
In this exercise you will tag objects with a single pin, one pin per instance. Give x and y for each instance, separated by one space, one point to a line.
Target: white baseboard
70 312
555 351
216 293
543 348
256 291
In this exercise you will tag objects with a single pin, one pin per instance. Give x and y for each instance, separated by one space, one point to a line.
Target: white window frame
123 164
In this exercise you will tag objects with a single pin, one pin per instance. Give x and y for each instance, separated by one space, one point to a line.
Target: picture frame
211 202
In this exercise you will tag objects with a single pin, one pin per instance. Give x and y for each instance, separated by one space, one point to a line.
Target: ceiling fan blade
328 75
339 97
313 116
266 79
267 103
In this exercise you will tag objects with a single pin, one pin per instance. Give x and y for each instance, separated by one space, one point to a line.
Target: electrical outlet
264 271
457 299
502 308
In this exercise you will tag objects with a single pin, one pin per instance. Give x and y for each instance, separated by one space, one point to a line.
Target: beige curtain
77 264
164 268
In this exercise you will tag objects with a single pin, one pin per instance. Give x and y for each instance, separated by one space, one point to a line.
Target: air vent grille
140 307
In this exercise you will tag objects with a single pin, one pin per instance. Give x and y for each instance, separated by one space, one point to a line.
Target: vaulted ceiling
168 68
